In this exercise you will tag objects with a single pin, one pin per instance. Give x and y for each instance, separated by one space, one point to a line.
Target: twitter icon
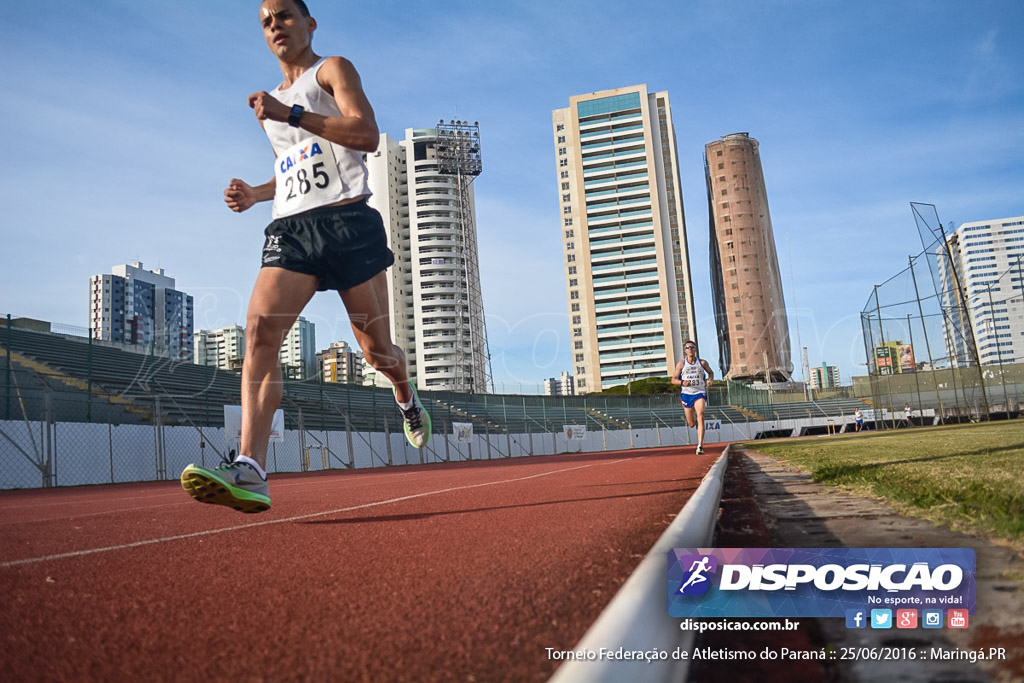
881 618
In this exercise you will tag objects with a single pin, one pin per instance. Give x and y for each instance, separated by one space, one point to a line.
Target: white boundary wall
84 453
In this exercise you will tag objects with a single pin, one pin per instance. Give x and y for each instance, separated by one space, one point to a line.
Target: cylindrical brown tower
750 313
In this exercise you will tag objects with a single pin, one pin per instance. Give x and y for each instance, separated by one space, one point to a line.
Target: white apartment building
559 386
824 377
436 304
222 348
989 260
339 363
136 306
624 236
298 352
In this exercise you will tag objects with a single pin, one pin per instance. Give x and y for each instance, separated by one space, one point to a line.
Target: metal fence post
447 444
348 438
999 352
48 421
88 405
927 343
110 445
7 410
303 453
156 437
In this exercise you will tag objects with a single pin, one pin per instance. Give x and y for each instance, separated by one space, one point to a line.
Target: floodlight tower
458 155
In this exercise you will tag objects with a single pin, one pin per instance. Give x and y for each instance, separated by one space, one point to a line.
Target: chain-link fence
940 333
78 411
75 410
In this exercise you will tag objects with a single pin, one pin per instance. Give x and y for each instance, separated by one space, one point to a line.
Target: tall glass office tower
626 262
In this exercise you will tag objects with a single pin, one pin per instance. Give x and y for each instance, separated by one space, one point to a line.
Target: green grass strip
968 477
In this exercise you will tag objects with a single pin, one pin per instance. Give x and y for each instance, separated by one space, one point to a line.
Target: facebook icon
856 618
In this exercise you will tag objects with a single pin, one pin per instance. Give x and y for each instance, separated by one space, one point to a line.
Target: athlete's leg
367 306
277 299
690 414
698 407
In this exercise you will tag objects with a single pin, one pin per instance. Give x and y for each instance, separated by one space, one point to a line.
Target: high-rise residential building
340 363
222 348
422 187
136 306
624 236
559 386
372 378
298 352
988 257
750 312
825 377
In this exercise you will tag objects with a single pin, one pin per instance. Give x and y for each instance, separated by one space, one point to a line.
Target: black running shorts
343 246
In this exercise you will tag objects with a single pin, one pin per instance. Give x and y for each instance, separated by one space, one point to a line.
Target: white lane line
210 532
99 497
183 500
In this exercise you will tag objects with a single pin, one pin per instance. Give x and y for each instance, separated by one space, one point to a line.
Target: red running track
441 572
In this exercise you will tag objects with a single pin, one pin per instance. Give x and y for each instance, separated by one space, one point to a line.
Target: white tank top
692 376
311 171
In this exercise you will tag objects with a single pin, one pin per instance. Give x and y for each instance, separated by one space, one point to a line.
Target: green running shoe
236 485
416 420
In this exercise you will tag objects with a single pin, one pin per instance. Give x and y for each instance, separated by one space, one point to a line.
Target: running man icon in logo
696 582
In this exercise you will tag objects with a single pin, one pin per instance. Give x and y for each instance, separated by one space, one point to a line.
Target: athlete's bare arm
356 128
675 374
240 195
707 369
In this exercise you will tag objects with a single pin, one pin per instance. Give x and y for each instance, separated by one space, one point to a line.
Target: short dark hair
301 4
690 341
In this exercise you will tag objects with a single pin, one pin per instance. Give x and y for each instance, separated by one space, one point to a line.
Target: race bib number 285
306 177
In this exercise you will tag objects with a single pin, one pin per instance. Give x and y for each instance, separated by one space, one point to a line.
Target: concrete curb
637 618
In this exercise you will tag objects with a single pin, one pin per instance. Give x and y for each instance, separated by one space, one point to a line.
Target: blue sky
122 122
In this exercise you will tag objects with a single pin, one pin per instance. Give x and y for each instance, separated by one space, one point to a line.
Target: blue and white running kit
694 386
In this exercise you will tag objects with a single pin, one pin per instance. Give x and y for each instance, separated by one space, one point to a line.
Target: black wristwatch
295 115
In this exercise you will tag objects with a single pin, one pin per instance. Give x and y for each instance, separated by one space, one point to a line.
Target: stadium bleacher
835 407
102 383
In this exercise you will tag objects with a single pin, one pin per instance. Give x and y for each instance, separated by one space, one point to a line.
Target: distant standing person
858 419
693 375
324 236
907 414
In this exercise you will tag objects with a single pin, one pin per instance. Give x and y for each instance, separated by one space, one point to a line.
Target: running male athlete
324 236
689 376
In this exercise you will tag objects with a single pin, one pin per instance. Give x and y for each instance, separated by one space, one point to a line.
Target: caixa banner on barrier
817 582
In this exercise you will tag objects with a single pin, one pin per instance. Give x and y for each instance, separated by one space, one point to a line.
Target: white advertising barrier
710 425
574 431
233 425
462 431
